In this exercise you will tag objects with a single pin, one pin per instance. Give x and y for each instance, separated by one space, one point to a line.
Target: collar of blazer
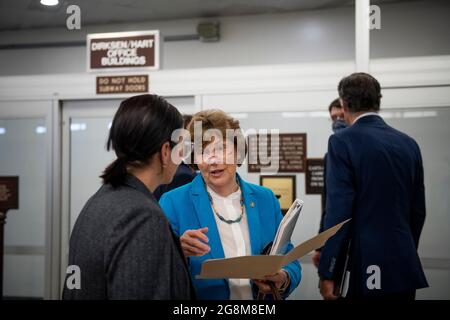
205 215
137 184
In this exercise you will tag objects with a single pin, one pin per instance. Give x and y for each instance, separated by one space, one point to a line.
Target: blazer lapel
206 217
252 211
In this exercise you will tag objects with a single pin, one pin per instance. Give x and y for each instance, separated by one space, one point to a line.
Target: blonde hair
217 119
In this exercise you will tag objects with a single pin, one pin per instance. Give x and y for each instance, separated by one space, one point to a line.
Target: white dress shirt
234 237
365 115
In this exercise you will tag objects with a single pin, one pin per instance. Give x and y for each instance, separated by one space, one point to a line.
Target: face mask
338 125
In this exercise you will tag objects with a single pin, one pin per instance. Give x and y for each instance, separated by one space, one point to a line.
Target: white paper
286 228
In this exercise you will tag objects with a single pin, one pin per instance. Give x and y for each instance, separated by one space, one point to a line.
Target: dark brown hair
334 104
186 119
361 92
140 127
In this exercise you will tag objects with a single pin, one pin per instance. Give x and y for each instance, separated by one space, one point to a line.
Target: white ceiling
26 14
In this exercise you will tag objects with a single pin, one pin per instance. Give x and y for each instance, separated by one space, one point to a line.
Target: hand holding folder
256 267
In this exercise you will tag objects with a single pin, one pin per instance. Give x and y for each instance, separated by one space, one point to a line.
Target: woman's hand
193 242
280 279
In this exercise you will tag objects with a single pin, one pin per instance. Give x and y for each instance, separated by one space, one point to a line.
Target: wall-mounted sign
123 51
314 176
291 153
122 84
9 199
283 187
9 193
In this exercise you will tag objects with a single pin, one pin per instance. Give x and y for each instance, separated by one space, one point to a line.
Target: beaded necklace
238 219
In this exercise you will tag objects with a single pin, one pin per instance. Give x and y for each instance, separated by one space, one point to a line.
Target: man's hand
316 258
193 242
327 289
279 279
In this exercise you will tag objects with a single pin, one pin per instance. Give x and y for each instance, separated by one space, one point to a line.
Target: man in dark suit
375 177
184 175
337 124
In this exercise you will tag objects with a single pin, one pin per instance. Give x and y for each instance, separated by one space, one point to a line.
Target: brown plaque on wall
291 153
123 50
122 84
314 176
283 187
9 193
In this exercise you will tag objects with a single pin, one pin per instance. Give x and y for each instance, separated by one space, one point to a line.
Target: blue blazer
188 207
375 177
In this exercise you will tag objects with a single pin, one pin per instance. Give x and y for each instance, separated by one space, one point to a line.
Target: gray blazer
125 248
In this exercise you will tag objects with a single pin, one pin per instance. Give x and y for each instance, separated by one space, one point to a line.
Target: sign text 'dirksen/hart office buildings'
123 51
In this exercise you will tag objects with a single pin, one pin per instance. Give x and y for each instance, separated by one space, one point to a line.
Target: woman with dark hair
122 245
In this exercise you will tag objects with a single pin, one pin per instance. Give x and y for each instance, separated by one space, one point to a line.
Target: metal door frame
49 111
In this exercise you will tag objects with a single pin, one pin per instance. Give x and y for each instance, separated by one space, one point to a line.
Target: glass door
25 151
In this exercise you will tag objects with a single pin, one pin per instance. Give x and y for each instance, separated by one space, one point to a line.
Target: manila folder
256 267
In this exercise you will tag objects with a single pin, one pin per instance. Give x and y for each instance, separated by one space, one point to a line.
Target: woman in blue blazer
219 215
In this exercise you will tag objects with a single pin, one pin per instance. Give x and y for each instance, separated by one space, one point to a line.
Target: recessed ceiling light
49 2
41 130
78 126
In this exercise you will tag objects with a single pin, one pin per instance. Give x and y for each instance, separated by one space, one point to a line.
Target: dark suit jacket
125 248
375 177
323 196
183 176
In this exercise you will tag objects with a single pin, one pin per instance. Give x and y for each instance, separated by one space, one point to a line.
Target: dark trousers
355 292
397 296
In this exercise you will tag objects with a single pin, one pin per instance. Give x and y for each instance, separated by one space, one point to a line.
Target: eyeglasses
219 151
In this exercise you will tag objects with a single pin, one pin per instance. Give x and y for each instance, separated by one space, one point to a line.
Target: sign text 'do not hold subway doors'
122 84
117 51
